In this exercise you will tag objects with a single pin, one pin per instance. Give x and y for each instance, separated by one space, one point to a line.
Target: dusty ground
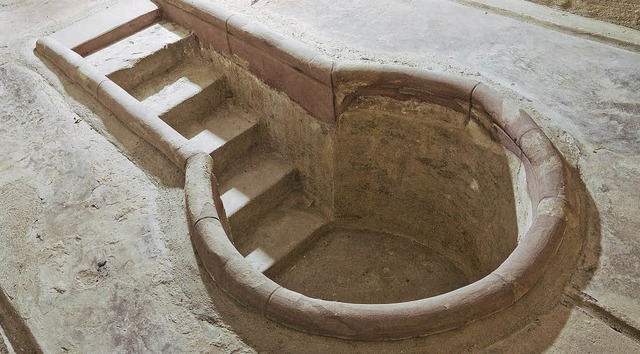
91 251
95 252
621 12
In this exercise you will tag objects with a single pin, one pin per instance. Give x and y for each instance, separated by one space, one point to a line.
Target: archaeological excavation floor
96 254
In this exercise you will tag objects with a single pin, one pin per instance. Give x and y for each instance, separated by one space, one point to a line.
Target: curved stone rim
546 182
498 290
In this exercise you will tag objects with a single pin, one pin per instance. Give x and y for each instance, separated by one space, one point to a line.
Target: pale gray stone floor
77 189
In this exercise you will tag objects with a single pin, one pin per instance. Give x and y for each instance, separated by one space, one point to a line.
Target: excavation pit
315 183
443 166
425 203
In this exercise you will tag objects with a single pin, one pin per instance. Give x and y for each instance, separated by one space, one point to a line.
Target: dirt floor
621 12
95 252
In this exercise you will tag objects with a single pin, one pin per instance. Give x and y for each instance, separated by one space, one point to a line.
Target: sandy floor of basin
370 267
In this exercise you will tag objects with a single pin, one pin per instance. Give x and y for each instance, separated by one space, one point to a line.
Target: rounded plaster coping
129 110
546 182
290 51
354 79
498 290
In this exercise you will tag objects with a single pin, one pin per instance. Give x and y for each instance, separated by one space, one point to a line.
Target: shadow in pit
514 329
141 153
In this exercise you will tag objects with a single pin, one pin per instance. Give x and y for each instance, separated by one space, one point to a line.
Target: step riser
236 149
154 64
117 33
289 259
261 204
282 235
197 106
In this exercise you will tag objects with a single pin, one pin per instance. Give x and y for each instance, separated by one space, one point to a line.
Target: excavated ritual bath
356 201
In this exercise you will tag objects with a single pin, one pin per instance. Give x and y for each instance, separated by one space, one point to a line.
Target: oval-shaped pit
438 202
449 205
424 201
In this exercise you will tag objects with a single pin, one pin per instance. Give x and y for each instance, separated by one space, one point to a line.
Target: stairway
162 67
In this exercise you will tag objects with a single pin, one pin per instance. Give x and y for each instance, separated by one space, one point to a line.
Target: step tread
218 128
281 232
126 52
105 26
242 184
177 85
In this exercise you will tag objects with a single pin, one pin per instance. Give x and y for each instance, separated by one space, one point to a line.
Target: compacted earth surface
94 246
621 12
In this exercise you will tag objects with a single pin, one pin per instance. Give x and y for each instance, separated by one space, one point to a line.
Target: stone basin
426 201
430 201
449 202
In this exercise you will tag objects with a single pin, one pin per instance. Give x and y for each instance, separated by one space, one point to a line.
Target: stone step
145 54
187 91
127 52
108 26
280 235
249 190
228 134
